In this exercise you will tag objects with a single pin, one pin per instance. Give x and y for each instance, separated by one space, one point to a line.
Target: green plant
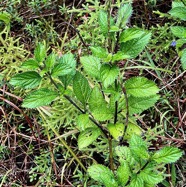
105 100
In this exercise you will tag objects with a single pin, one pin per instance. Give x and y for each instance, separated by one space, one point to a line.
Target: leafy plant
105 101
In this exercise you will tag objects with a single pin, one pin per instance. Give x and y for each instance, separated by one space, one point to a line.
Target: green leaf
123 153
88 136
66 65
140 87
81 88
119 56
66 79
27 80
167 155
98 106
137 105
183 59
179 31
177 4
124 13
134 47
136 181
50 61
108 74
83 122
103 175
5 16
116 130
40 52
138 147
132 129
123 173
130 34
103 22
178 12
30 64
91 65
99 51
39 98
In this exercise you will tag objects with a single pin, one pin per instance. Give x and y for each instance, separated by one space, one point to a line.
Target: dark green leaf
88 136
40 52
30 64
29 79
39 98
81 88
66 65
140 87
103 175
108 74
91 65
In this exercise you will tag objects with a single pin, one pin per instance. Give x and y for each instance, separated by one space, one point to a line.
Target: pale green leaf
66 65
83 122
88 136
124 13
40 52
5 16
103 175
116 130
81 88
123 173
136 181
183 59
103 22
178 12
30 64
130 34
167 155
137 105
179 31
108 74
119 56
91 65
140 87
138 147
123 153
177 4
134 47
39 98
50 61
27 80
132 129
98 106
99 51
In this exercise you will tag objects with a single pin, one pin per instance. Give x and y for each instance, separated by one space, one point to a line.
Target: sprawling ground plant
106 102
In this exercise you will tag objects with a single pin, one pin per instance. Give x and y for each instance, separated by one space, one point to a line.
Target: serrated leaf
5 16
103 22
83 122
40 52
179 31
140 87
167 155
123 173
27 80
81 88
137 105
132 129
136 181
177 4
39 98
178 12
99 52
124 13
50 61
66 65
98 106
130 34
30 64
88 136
108 74
138 147
103 175
116 130
134 47
91 65
123 153
183 59
119 56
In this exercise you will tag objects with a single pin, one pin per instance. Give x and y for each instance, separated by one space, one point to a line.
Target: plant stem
111 154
